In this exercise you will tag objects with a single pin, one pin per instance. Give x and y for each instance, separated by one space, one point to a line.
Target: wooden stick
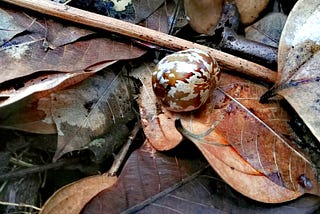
226 61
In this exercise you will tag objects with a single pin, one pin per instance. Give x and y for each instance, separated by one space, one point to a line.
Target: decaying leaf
47 58
73 197
39 85
8 27
86 111
146 174
240 138
179 182
298 78
267 30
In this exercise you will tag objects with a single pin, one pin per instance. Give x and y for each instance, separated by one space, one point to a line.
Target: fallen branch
226 61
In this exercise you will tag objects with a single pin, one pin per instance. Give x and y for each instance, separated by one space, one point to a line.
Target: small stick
119 158
37 168
19 205
226 61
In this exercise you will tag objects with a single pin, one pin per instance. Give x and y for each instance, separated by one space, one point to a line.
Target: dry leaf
298 78
250 9
161 139
39 85
240 137
203 15
251 141
267 30
30 115
86 111
32 68
8 27
145 174
177 182
145 9
74 196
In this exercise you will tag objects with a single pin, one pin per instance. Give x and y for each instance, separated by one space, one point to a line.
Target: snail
183 81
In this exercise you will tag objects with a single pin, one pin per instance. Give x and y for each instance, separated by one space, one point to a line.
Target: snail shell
184 80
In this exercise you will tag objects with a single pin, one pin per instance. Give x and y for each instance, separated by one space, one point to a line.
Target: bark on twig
225 60
119 158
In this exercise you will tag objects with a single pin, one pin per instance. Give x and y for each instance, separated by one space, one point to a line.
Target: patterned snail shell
183 81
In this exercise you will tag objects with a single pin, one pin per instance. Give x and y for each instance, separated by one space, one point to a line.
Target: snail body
183 81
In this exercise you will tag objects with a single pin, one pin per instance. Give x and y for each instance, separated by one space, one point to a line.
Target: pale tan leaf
298 78
73 197
250 9
203 15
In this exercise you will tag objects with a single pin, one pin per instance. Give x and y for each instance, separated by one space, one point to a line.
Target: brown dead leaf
152 119
86 111
177 182
298 78
146 174
30 115
33 69
250 10
203 15
252 140
73 197
145 9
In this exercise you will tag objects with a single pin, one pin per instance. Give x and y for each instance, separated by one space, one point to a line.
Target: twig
118 160
36 169
226 61
19 205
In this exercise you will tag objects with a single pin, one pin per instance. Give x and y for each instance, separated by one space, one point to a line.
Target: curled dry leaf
240 137
73 197
29 53
298 78
152 119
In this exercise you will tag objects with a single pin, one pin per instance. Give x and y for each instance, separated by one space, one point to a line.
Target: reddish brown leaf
152 119
252 140
146 174
152 182
30 115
